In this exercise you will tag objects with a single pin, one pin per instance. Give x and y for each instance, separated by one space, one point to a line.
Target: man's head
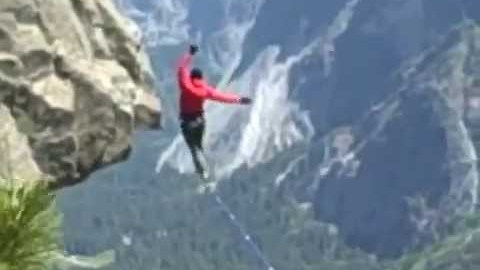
196 73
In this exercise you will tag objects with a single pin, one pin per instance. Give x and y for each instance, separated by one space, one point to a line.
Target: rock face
74 85
416 147
395 158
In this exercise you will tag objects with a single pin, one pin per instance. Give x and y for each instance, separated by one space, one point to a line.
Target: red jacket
194 92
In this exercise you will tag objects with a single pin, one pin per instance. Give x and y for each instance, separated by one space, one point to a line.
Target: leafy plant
29 226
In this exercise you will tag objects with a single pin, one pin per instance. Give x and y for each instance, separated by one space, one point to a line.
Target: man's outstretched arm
183 70
225 97
217 95
183 73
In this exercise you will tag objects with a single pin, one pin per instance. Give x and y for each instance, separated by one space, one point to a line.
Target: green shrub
29 226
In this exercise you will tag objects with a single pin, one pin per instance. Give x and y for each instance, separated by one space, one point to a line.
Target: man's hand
245 100
193 49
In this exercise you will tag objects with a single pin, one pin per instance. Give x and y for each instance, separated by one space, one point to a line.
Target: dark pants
193 128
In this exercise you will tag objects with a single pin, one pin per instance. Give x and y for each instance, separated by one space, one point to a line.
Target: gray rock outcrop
74 85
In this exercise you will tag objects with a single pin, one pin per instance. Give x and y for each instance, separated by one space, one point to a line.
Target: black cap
196 73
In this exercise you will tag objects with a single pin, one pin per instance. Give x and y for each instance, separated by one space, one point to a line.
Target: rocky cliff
412 170
418 162
74 85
